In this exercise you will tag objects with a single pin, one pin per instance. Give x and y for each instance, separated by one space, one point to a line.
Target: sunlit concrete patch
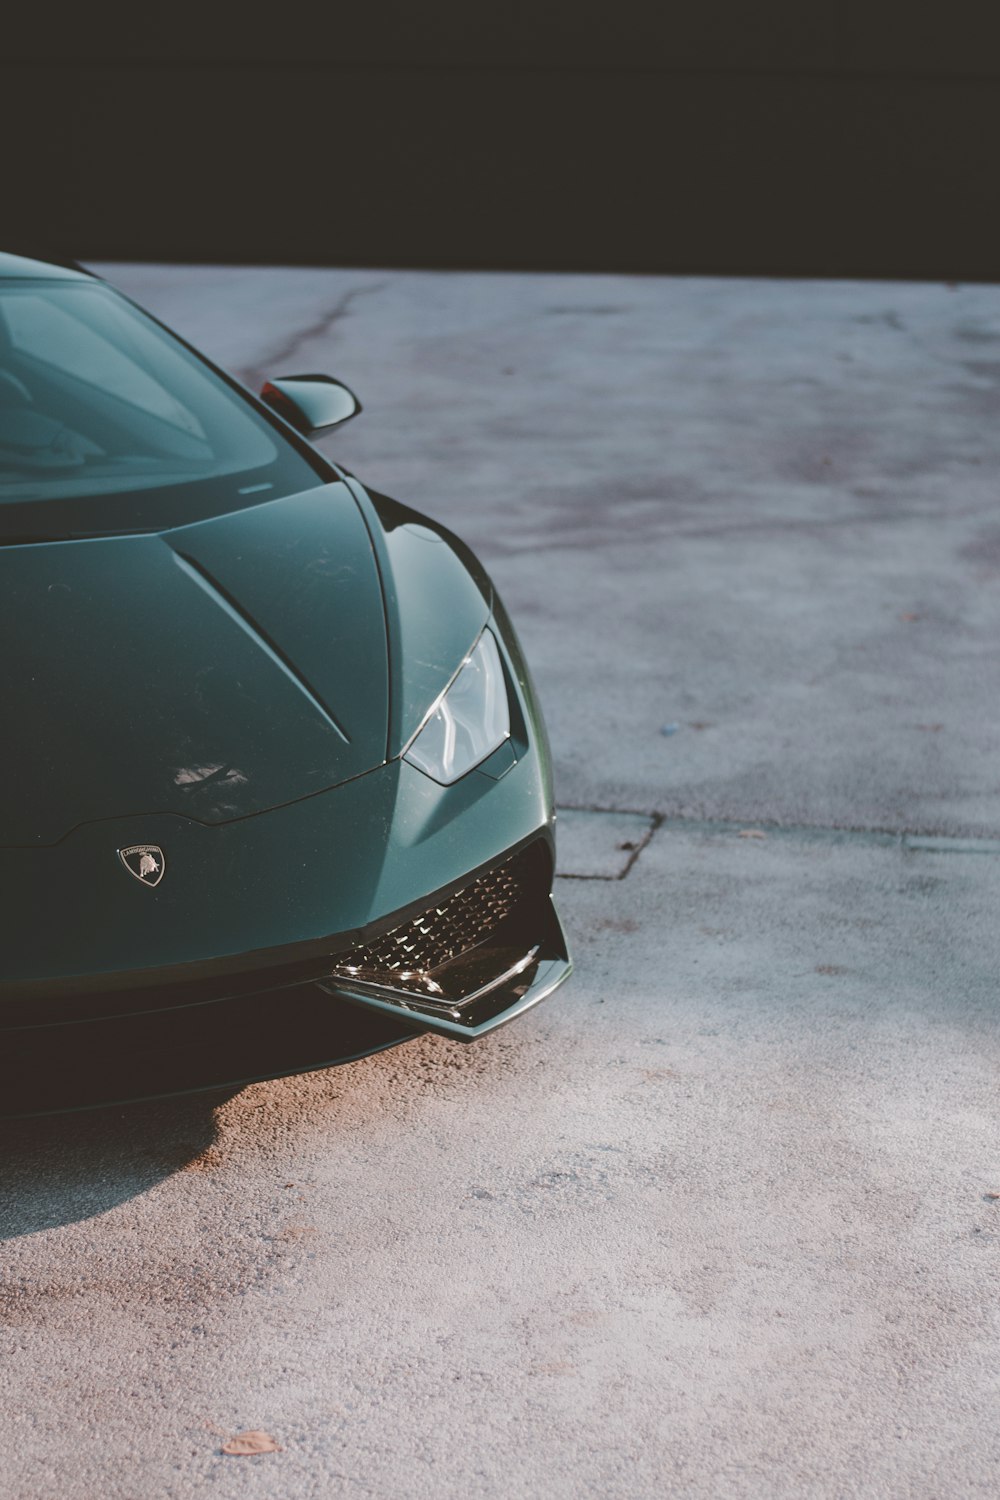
600 845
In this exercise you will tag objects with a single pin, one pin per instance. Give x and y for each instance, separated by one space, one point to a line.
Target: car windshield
107 423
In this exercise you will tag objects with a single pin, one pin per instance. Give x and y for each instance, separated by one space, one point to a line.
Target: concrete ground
722 1217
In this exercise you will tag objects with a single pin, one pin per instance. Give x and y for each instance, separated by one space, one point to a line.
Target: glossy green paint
239 691
137 685
304 878
221 669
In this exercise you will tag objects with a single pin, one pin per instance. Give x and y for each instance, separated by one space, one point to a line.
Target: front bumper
295 884
224 974
476 975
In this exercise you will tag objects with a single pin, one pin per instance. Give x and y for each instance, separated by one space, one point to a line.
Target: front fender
437 597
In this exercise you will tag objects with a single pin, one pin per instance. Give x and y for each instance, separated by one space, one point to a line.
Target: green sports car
276 790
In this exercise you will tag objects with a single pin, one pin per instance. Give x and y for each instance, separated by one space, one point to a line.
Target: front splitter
224 1044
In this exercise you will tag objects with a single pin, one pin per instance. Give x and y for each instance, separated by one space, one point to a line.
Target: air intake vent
408 956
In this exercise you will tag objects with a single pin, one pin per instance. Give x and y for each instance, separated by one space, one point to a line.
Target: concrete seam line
913 840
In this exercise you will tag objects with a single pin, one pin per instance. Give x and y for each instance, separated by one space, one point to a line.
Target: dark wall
781 138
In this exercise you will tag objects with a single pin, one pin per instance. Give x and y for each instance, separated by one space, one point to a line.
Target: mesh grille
461 923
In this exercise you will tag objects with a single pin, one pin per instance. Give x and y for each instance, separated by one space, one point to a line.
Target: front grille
409 955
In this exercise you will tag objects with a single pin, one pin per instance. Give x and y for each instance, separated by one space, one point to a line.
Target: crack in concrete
322 325
655 819
908 840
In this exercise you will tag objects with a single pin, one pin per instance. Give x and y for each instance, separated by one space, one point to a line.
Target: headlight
469 720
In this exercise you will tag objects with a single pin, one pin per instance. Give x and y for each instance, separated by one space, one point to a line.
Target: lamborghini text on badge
144 861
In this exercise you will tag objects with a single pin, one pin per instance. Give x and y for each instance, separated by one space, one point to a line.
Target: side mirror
311 403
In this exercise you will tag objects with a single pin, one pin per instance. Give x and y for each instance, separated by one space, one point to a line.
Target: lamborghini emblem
144 861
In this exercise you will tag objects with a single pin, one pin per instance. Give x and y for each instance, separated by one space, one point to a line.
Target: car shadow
66 1154
60 1169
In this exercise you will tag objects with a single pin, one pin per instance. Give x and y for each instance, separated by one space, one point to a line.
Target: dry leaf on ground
245 1444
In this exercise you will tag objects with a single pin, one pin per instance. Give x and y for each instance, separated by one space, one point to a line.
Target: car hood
216 671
